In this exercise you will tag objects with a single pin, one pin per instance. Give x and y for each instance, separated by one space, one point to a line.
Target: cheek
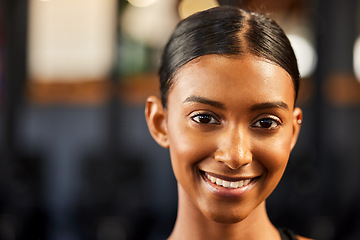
187 148
274 153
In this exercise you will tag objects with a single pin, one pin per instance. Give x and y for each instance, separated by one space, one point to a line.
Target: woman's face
230 125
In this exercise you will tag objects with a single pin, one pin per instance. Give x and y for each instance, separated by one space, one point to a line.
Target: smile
228 184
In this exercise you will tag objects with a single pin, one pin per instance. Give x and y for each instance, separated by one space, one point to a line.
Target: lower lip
228 192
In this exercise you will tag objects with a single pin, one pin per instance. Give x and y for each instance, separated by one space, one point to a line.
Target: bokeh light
356 61
151 25
141 3
305 54
189 7
63 46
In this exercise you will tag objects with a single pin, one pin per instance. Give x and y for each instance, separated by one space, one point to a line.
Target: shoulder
303 238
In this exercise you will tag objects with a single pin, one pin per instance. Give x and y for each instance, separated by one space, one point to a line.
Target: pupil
204 119
266 123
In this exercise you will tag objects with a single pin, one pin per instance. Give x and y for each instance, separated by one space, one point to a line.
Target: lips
229 187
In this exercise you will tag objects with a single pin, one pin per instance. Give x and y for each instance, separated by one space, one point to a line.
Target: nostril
235 164
233 160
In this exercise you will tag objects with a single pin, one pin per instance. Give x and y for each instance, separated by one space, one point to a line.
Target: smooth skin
234 118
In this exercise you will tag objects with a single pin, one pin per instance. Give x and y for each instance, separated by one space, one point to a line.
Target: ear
155 116
297 121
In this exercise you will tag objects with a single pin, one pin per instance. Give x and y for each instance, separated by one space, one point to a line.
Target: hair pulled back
225 31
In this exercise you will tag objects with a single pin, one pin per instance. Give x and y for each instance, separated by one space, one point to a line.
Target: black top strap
286 234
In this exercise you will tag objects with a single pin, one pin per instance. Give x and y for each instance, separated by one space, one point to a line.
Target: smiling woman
229 82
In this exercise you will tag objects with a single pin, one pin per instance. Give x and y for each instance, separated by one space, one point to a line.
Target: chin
226 218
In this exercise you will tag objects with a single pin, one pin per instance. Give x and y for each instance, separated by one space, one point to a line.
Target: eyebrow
205 101
255 107
267 105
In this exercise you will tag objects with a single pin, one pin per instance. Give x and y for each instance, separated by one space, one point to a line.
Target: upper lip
231 178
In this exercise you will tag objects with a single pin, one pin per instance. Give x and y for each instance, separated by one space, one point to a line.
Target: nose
234 148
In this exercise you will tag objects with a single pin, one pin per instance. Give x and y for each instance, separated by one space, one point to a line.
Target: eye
267 123
205 119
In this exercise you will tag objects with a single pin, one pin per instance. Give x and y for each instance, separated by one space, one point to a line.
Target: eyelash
272 119
197 118
213 120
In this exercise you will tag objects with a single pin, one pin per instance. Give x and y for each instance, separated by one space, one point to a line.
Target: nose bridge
234 147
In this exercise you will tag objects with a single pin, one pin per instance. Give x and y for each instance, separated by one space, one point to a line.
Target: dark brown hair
226 31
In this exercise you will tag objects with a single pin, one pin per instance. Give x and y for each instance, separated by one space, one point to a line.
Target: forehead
245 78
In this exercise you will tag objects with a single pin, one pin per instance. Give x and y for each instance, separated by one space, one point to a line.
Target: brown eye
205 119
267 123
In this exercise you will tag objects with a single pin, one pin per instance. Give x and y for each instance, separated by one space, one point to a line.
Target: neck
192 224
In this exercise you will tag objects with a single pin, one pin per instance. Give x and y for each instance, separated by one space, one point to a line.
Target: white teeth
241 183
227 184
234 184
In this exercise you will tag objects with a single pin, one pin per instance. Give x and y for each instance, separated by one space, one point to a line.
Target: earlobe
297 121
155 116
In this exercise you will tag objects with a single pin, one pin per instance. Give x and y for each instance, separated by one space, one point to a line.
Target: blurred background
76 159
